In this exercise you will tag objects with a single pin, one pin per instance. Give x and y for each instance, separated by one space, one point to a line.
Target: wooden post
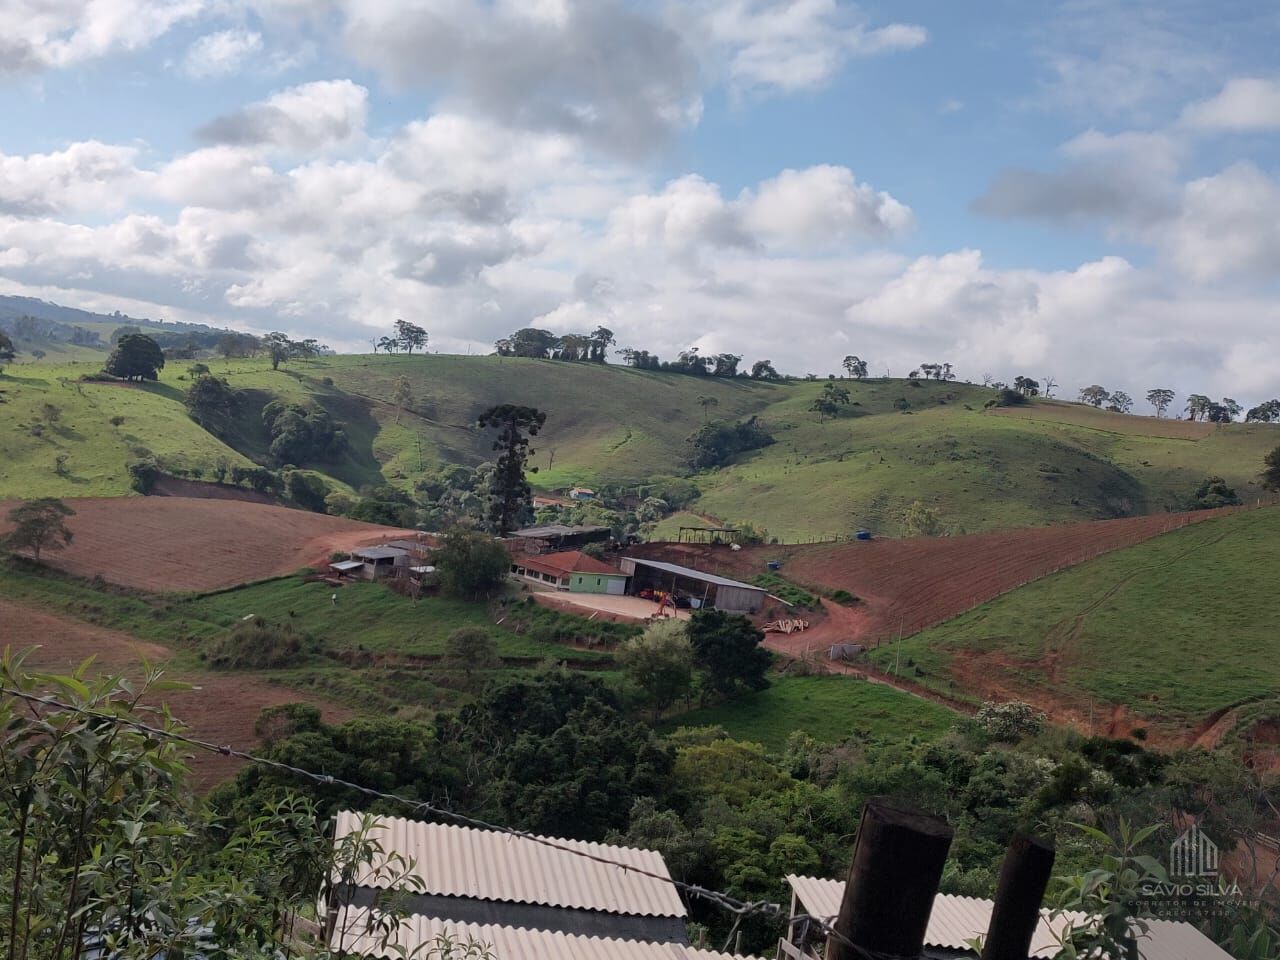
1024 876
897 865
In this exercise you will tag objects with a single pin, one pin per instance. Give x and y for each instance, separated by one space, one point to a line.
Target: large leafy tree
855 366
1094 394
135 357
7 349
1160 398
209 400
510 491
1266 412
660 664
39 525
1121 402
410 336
727 648
471 564
1198 406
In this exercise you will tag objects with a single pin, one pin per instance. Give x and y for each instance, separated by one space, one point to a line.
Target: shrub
260 645
843 596
143 475
1010 721
545 625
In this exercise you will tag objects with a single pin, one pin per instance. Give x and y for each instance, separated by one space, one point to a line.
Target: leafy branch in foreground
103 851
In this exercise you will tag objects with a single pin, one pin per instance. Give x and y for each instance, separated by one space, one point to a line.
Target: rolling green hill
898 441
1176 630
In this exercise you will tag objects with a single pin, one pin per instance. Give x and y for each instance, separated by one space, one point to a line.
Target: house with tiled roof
571 570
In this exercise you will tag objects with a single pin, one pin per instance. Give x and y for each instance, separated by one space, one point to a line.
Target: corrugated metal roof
507 943
345 565
488 865
694 574
957 920
553 530
379 553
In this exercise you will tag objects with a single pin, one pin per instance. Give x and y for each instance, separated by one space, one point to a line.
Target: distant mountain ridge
13 307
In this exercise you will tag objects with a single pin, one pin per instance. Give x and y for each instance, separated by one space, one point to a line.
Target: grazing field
220 707
828 708
1177 634
184 545
896 442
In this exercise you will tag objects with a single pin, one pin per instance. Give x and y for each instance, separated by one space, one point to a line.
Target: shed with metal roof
957 921
707 589
489 877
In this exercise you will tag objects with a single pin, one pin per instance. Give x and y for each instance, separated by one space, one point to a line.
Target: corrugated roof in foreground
693 574
506 943
489 865
957 920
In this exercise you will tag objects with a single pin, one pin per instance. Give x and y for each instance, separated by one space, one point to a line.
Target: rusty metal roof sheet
957 920
489 865
508 943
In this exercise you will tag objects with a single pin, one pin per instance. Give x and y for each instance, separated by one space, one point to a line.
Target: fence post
1024 876
897 865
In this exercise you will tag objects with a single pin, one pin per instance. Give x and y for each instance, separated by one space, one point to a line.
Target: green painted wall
591 582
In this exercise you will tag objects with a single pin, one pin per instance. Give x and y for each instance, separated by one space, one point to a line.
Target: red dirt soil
184 544
222 709
907 585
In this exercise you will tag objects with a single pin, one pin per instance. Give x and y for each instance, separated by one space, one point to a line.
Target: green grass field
897 442
828 708
368 640
1174 629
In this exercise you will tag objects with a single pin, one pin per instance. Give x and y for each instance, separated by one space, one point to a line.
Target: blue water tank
863 535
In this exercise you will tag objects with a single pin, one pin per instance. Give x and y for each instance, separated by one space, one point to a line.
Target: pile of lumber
785 626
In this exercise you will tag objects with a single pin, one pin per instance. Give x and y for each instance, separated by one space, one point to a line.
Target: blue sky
1079 189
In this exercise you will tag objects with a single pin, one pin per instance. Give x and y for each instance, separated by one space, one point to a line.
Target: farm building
582 493
379 562
573 571
492 879
558 536
957 921
701 589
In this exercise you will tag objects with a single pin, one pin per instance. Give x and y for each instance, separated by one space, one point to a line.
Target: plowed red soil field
907 585
191 545
222 709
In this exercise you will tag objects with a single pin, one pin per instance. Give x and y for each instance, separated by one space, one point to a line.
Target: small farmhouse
582 493
571 570
379 562
699 588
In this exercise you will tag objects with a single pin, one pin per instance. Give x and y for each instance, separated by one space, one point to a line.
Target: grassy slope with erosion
981 469
1175 630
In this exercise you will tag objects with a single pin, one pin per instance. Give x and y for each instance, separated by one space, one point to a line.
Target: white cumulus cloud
221 53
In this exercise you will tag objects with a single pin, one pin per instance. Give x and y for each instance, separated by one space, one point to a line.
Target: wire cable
741 909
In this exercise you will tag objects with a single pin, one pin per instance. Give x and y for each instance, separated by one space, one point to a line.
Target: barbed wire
741 909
